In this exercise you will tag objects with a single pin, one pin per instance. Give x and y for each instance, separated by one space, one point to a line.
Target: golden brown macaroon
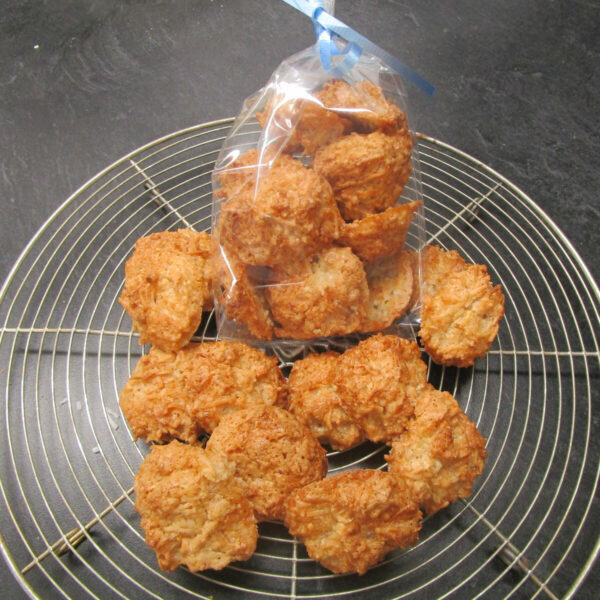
243 297
349 522
363 103
288 215
167 283
437 264
204 246
417 272
153 402
380 380
327 297
460 321
183 394
313 397
303 123
391 285
367 172
441 454
273 452
192 511
241 172
381 234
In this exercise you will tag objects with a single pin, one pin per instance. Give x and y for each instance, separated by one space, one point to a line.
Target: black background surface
84 82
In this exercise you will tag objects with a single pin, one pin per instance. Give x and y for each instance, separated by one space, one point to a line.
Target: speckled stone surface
83 82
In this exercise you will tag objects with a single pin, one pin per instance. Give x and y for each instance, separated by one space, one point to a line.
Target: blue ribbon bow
325 24
328 48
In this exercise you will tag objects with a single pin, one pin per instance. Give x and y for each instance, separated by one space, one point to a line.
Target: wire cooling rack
68 526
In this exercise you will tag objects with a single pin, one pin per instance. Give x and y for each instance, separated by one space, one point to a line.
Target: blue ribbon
328 48
324 24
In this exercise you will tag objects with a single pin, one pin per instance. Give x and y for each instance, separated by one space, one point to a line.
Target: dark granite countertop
82 82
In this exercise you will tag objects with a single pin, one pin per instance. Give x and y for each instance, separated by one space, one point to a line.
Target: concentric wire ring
68 458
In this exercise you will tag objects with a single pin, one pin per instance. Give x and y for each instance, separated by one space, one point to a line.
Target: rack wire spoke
510 554
75 536
528 530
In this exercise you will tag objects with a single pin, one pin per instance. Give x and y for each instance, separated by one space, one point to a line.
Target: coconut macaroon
437 264
328 296
314 398
440 455
167 286
303 124
460 321
243 297
282 214
367 172
192 511
461 310
273 452
241 173
364 104
349 522
391 282
153 402
381 234
380 380
183 394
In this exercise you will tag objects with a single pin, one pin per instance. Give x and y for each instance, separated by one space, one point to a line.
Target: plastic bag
317 210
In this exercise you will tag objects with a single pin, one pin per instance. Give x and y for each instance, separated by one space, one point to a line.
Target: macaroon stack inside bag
318 211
